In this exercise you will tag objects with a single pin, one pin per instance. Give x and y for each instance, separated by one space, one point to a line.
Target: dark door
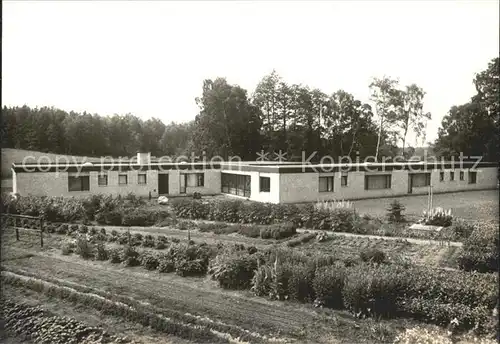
410 183
162 184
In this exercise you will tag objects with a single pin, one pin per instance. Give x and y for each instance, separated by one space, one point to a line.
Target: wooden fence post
41 232
17 229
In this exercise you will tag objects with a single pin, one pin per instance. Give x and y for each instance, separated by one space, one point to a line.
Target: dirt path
379 237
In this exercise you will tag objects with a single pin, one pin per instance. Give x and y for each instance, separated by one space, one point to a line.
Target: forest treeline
276 116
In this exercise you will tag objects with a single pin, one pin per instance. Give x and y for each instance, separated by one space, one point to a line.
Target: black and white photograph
240 172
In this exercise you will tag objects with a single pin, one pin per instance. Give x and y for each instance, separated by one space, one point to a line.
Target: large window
141 178
376 182
441 176
421 179
235 184
265 184
102 180
326 184
194 179
81 183
452 175
472 177
122 179
462 175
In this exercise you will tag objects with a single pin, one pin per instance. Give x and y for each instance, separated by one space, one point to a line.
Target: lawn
471 205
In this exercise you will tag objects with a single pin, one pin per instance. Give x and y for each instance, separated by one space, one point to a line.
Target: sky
150 58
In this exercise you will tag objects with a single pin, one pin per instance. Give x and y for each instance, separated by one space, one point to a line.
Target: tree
473 128
228 124
384 96
410 116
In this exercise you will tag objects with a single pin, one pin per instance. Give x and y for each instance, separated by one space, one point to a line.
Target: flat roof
247 166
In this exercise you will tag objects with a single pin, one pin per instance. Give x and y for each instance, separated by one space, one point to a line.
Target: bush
130 257
149 260
148 241
83 229
373 255
190 209
300 282
110 217
278 231
115 256
226 211
371 291
395 212
216 227
100 252
250 231
462 229
301 240
186 268
234 269
184 225
84 248
166 264
328 284
480 250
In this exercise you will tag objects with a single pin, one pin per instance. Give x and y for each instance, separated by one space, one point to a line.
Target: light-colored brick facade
288 183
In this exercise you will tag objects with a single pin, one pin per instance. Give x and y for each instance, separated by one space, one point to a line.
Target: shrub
73 228
67 249
149 260
462 229
234 269
300 282
115 256
166 264
148 241
250 231
176 240
343 220
278 231
186 268
480 250
372 291
103 231
160 245
328 284
191 209
84 248
100 252
83 229
129 256
226 210
395 212
110 217
373 255
216 227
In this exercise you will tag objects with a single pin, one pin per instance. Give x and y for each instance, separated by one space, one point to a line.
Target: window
265 184
461 175
122 179
441 176
235 184
141 178
343 179
452 175
376 182
420 179
102 180
472 177
194 179
78 183
326 184
200 179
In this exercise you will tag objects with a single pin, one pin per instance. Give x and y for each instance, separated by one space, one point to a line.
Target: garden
304 263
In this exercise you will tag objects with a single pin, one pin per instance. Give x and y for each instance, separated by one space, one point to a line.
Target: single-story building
261 182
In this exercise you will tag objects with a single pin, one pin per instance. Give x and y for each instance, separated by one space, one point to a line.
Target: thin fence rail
12 220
